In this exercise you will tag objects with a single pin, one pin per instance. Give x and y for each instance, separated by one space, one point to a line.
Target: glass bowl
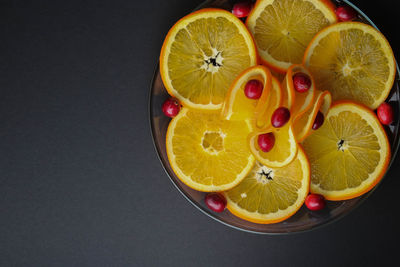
304 219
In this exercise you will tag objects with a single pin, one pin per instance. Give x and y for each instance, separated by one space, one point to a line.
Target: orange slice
288 97
303 101
353 61
302 126
270 195
237 106
207 153
201 56
349 154
284 150
264 109
282 29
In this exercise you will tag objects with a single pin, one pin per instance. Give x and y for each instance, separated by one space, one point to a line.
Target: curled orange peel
302 125
236 105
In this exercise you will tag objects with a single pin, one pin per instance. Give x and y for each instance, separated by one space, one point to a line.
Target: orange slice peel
265 109
303 101
284 150
237 106
302 125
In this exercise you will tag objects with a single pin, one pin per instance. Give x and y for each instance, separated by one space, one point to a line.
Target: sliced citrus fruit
264 109
201 56
288 96
271 195
282 29
349 154
285 148
353 61
303 101
282 153
239 107
302 126
207 153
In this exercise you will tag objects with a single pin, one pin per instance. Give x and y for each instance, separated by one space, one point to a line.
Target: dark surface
80 182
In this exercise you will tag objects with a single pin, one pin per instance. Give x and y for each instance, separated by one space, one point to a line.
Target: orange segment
201 56
349 154
270 195
237 106
302 126
282 29
353 61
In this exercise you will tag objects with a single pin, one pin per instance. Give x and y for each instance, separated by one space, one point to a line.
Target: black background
80 182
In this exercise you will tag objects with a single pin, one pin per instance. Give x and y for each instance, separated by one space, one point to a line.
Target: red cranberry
315 202
215 202
345 13
253 89
301 82
385 113
280 117
242 9
319 120
171 107
266 141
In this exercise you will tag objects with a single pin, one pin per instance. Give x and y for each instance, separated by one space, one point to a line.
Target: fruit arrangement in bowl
269 111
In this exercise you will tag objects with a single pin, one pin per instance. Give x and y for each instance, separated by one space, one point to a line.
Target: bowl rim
209 214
